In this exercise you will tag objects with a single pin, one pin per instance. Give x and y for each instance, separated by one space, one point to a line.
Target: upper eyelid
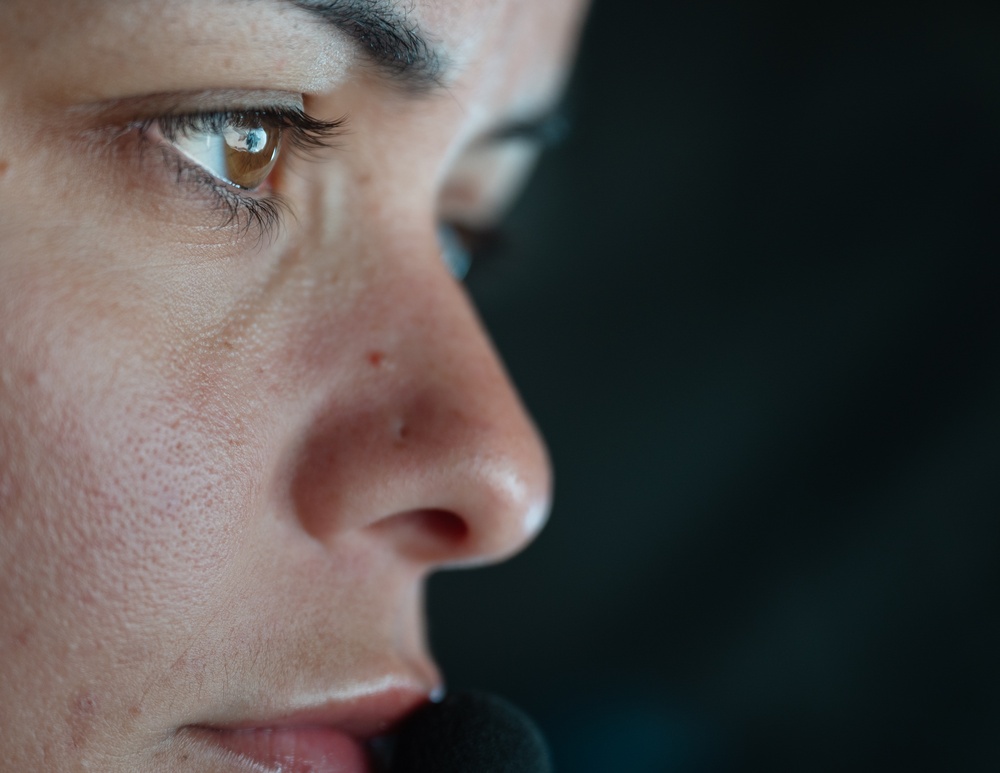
130 110
307 132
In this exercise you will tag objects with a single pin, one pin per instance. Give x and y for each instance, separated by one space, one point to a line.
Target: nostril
425 534
443 525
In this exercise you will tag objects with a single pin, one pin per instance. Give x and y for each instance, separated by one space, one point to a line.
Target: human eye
483 185
464 246
234 155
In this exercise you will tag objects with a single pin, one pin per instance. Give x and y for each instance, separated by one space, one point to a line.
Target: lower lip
294 749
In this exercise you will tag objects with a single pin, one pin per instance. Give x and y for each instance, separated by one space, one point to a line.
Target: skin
229 460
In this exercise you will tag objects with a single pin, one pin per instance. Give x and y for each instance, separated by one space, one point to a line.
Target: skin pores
229 456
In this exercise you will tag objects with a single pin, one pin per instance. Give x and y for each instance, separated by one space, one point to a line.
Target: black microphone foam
470 733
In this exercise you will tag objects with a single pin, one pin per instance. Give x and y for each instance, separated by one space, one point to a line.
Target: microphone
470 733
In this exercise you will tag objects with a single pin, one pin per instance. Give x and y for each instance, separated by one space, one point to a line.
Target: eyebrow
391 41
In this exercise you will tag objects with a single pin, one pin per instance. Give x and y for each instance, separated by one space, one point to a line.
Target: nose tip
502 500
489 511
434 454
464 478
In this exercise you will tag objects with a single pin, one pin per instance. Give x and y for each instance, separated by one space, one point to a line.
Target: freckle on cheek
376 358
23 637
4 166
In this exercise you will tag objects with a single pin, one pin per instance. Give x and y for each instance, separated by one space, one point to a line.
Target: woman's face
239 425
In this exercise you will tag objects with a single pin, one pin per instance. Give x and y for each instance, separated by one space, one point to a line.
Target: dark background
754 304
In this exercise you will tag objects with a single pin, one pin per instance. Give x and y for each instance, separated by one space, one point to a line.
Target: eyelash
246 210
261 212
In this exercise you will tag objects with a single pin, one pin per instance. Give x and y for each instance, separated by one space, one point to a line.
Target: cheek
122 502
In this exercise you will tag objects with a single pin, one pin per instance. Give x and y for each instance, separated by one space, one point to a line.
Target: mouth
337 736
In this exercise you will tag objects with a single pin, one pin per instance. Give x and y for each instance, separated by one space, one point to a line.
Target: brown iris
249 152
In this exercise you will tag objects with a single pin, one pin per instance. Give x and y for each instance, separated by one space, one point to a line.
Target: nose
420 441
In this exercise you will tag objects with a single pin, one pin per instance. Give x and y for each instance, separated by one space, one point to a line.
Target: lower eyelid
252 216
143 150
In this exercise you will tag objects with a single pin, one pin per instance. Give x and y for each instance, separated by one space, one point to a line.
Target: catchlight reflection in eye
240 155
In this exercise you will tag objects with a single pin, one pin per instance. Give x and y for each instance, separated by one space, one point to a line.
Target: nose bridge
432 451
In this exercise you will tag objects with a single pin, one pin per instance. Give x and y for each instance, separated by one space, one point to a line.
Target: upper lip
363 711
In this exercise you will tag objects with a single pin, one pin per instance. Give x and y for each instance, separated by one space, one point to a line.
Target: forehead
515 45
